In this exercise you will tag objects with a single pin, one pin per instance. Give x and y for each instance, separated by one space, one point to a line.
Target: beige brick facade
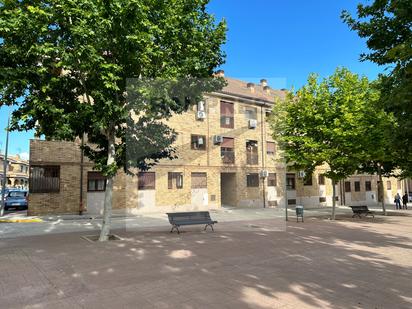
226 182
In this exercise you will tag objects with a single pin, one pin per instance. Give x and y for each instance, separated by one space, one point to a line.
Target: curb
20 220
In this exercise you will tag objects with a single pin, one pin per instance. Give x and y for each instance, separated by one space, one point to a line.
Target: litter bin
299 212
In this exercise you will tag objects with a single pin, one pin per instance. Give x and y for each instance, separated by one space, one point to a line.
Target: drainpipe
263 153
81 176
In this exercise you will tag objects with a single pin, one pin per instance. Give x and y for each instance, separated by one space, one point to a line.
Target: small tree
324 122
70 62
381 126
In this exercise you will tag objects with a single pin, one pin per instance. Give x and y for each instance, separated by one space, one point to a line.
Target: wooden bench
359 210
178 219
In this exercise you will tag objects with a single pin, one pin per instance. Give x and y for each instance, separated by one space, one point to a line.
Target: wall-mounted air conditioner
201 115
201 106
252 123
264 173
217 139
301 174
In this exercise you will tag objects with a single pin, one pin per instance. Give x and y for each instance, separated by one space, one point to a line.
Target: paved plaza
349 263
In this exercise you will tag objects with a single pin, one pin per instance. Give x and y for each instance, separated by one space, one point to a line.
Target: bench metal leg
211 225
175 227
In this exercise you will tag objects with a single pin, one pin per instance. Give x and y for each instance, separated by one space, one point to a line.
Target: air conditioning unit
264 173
201 106
217 139
301 174
201 115
252 123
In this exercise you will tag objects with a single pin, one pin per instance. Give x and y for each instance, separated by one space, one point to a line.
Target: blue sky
282 41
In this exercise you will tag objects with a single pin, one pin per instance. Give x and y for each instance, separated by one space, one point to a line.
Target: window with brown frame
368 186
95 182
322 199
175 180
252 180
198 142
199 180
251 113
252 154
307 181
290 181
270 148
44 179
146 181
321 179
347 186
227 113
272 181
388 185
357 186
227 150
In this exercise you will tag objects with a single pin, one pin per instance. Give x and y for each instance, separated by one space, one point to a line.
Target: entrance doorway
228 189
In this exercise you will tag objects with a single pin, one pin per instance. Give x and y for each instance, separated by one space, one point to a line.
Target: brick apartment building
17 172
226 156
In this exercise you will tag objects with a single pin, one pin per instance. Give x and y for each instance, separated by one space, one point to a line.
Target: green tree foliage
387 26
330 122
69 62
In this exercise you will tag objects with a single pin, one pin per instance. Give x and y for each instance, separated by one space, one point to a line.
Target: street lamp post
3 191
286 193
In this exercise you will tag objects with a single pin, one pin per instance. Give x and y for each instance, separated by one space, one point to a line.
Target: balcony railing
228 157
252 158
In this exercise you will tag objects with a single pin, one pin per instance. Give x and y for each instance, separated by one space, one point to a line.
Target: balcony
252 158
228 156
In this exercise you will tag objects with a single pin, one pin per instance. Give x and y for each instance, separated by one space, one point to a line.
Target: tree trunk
108 195
381 193
333 199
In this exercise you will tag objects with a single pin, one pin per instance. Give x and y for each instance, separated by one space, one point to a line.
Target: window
146 181
252 180
272 181
292 202
270 148
252 156
175 180
268 113
388 185
290 181
227 150
199 180
357 186
368 186
226 115
17 194
198 142
347 186
399 185
96 182
307 181
44 179
251 113
322 199
321 179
